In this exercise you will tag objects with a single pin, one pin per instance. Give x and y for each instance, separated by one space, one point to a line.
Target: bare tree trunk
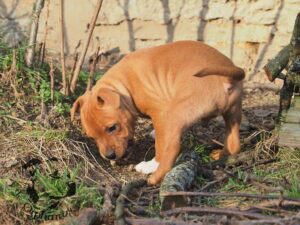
62 50
33 32
86 45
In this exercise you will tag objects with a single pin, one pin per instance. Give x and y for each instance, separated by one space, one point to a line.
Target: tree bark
179 178
274 67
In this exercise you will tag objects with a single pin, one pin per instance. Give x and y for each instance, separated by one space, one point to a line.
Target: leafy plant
51 193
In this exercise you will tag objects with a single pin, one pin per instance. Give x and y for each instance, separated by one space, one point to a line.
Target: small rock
130 167
113 163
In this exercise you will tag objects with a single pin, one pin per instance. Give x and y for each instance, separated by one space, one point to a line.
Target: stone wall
248 31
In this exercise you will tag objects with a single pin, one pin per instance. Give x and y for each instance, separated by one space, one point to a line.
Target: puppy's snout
111 155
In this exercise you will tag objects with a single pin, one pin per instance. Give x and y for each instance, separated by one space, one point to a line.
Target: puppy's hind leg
232 137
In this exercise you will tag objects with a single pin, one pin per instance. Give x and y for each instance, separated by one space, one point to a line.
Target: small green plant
51 193
293 190
203 153
47 134
235 183
154 208
210 201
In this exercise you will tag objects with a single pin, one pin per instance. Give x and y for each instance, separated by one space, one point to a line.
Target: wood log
179 178
292 78
274 67
213 210
287 220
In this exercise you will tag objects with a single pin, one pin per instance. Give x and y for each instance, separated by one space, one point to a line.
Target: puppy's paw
218 154
147 167
153 180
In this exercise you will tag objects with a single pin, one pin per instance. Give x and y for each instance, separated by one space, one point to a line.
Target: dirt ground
23 143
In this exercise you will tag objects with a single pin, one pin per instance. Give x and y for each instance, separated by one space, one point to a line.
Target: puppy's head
107 121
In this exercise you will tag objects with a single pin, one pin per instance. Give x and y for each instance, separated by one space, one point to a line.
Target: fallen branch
86 45
179 178
157 221
294 220
107 207
87 216
274 67
120 203
214 194
272 203
217 211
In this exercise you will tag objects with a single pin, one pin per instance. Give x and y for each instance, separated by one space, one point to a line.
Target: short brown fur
176 85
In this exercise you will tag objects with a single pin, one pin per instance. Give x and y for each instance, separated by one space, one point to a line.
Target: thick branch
288 220
214 194
157 221
120 203
274 67
179 179
217 211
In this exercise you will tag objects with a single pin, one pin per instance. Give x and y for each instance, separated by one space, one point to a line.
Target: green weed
203 153
48 134
51 193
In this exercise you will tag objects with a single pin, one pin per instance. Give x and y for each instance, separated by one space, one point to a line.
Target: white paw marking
147 167
152 134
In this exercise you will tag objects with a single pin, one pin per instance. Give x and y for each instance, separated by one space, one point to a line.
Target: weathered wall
248 31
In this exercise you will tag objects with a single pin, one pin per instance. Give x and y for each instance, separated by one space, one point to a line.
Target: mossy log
274 67
179 178
292 78
288 58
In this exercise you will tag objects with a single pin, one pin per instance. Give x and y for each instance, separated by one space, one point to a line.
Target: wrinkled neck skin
128 103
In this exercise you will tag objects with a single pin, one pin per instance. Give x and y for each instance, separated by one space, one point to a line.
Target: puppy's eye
111 129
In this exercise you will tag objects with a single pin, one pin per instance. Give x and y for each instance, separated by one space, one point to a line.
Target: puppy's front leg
167 146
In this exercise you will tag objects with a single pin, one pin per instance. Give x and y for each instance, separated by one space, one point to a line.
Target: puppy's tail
233 72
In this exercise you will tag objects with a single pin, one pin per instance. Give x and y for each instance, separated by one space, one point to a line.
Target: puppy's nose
111 155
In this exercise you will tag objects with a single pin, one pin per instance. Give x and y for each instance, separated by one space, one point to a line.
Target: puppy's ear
76 106
108 97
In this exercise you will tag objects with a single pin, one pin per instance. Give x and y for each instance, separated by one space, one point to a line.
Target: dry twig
86 45
213 194
120 203
213 210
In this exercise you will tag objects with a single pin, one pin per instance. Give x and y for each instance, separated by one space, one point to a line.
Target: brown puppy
176 85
